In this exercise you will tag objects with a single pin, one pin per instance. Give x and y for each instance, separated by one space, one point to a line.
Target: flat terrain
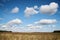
29 36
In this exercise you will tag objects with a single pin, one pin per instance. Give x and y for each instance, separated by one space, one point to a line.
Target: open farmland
29 36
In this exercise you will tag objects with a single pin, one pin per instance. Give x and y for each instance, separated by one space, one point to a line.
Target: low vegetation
29 36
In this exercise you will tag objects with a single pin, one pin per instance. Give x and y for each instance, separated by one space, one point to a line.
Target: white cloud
46 21
15 21
15 10
49 9
4 26
32 26
42 24
36 7
35 27
44 9
30 11
53 5
40 28
54 26
29 25
12 23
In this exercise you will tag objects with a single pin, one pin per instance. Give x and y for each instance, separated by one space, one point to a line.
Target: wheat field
29 36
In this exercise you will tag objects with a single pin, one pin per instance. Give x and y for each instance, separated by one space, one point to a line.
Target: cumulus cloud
35 27
15 10
11 25
30 11
44 9
4 26
15 21
12 22
42 23
36 7
46 21
29 25
49 9
32 26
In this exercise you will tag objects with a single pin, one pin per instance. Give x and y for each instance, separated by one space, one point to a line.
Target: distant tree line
57 31
4 31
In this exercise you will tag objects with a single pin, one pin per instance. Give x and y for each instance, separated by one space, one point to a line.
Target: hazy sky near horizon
30 15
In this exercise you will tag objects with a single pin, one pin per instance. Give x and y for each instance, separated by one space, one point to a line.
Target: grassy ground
29 36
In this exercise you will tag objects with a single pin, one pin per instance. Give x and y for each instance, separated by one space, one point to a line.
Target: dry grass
29 36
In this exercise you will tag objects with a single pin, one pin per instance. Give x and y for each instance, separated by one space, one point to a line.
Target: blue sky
30 15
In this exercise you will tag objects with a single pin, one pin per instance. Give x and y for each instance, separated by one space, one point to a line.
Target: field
29 36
